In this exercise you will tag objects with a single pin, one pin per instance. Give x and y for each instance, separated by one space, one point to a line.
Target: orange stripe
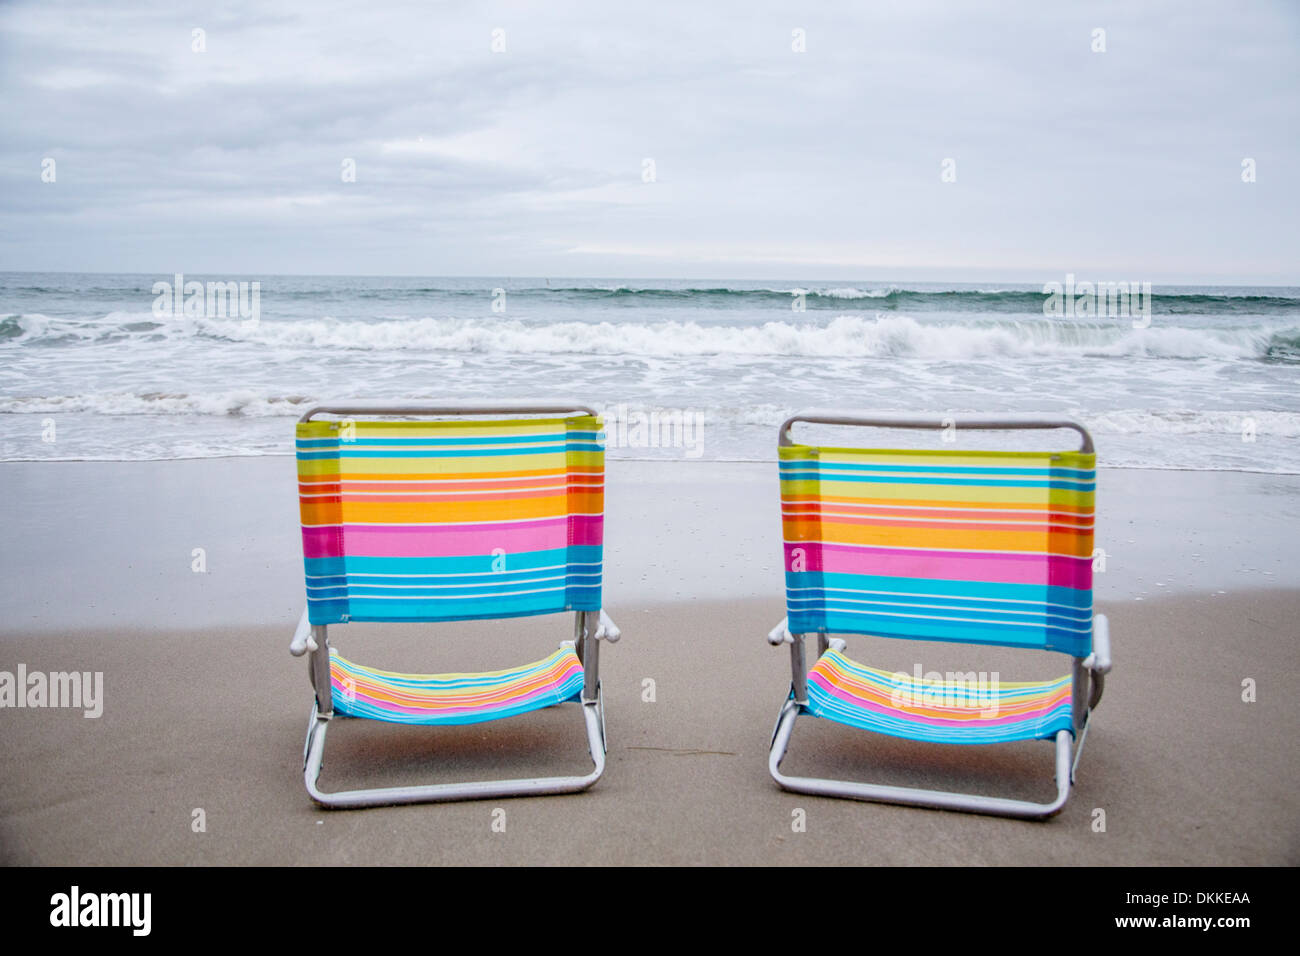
815 509
964 526
415 498
938 505
398 512
335 509
920 519
1074 542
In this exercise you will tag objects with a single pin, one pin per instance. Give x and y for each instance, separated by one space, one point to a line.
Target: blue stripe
989 483
833 621
818 601
341 589
445 592
550 602
359 450
346 451
927 614
401 442
822 704
309 443
575 557
331 442
921 618
399 586
1080 599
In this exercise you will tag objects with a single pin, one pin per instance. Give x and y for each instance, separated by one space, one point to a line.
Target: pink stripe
586 529
414 541
1054 570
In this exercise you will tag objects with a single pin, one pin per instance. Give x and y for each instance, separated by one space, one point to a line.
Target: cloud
767 161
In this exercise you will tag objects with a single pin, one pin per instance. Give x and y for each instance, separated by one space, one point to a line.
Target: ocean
92 366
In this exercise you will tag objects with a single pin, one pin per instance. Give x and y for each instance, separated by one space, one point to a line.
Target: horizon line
1084 276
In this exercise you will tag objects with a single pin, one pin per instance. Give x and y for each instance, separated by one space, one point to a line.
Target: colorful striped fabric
451 520
968 710
969 546
454 698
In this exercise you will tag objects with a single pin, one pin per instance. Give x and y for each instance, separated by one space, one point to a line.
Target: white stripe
945 607
937 506
448 597
469 444
986 520
453 524
887 547
979 471
426 587
961 620
967 480
948 597
397 476
463 574
412 494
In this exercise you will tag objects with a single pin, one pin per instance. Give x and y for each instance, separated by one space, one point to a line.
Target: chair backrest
982 547
451 520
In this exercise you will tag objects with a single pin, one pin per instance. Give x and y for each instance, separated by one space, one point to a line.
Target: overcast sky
767 162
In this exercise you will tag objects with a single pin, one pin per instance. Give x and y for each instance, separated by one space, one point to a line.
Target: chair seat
951 711
454 698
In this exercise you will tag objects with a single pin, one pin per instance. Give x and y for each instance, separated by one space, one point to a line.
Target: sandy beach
955 270
204 709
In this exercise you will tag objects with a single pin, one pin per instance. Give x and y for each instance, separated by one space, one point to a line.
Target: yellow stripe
903 490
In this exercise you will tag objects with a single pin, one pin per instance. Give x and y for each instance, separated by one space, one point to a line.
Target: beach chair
455 518
976 547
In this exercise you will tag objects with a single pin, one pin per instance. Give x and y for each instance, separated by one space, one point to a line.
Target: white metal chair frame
589 629
1088 673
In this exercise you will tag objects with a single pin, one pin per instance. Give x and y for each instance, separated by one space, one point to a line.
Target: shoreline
656 460
213 542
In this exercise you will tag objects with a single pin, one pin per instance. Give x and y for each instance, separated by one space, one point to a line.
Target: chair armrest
606 629
1099 659
302 640
780 634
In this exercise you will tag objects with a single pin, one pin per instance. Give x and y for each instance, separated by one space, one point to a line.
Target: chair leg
600 712
313 722
592 712
908 796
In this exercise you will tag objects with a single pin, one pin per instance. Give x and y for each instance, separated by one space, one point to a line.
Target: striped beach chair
978 547
451 518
